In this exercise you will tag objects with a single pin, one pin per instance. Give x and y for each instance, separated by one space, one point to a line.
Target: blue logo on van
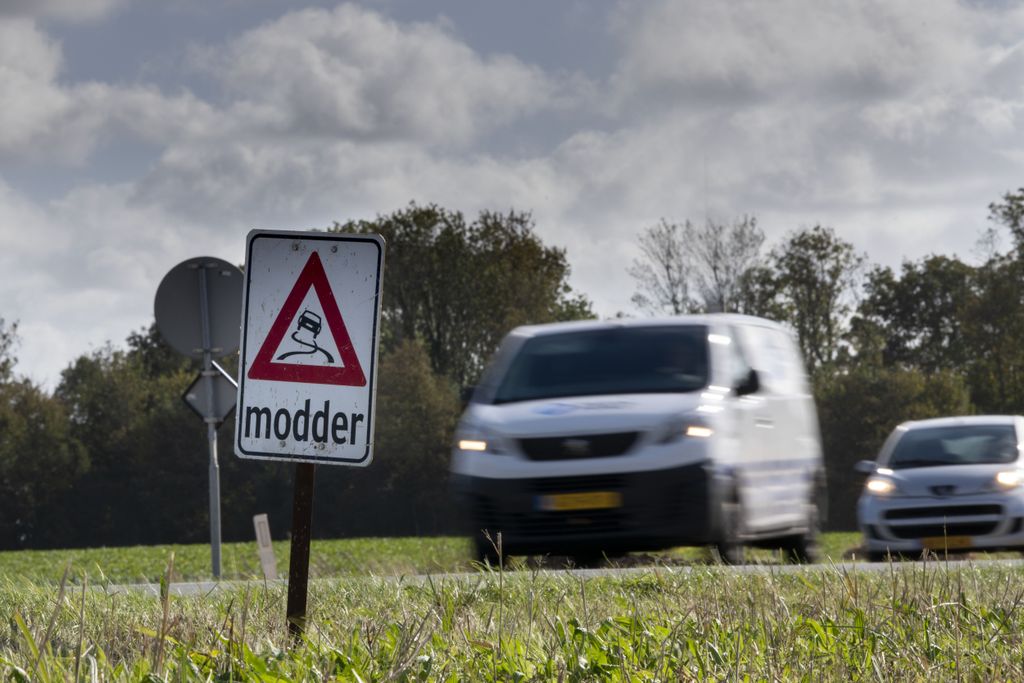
555 409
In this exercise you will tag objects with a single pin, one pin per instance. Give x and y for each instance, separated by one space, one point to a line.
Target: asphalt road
210 587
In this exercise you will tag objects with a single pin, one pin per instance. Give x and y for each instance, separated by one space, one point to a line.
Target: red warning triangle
346 370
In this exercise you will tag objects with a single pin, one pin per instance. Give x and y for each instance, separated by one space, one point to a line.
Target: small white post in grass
266 549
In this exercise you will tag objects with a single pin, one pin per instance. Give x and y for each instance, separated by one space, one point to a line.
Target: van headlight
880 486
478 441
685 428
1008 479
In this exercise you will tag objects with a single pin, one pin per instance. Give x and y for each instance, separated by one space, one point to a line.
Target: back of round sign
179 306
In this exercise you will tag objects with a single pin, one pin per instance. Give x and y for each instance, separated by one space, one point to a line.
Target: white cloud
835 105
730 51
84 270
45 120
29 62
895 124
352 73
67 10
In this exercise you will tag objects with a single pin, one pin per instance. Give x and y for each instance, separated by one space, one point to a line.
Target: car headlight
1009 479
880 486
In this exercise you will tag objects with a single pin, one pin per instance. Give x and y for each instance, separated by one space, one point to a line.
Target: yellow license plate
946 542
589 500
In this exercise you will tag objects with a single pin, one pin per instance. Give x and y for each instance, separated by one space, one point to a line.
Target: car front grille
912 531
936 521
950 512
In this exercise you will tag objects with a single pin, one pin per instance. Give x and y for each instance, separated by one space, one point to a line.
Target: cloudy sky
135 134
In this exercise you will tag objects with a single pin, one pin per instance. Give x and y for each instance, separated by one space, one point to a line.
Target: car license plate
946 542
588 500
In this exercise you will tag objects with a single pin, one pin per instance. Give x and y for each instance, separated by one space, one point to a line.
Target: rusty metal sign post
308 366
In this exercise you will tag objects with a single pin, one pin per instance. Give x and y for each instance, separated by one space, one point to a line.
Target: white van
593 437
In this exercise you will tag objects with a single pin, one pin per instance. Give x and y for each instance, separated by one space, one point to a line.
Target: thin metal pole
211 426
211 435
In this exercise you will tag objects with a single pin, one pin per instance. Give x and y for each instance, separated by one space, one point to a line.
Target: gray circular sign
180 308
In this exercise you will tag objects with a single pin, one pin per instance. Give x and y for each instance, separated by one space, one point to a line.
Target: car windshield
961 445
621 360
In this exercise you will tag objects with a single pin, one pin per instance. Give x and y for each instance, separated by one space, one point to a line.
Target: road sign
308 362
179 306
216 401
269 365
197 307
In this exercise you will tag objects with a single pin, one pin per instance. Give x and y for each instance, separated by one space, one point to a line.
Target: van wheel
589 560
729 547
804 548
486 551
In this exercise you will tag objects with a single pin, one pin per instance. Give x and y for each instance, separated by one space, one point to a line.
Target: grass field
934 621
345 557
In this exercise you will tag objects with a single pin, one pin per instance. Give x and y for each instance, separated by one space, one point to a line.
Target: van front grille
599 482
578 447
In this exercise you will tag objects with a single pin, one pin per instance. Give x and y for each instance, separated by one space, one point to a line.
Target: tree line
112 456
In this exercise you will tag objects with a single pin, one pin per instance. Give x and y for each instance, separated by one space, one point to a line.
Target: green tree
418 410
148 478
39 463
1010 213
39 460
992 324
760 292
8 341
155 356
404 491
811 284
460 286
919 315
134 479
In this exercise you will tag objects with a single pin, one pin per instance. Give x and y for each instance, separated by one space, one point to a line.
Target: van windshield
989 444
620 360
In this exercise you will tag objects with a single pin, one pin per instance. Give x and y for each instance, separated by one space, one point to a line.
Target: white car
946 484
626 435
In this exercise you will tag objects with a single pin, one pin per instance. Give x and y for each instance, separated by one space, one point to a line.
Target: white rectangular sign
308 357
265 547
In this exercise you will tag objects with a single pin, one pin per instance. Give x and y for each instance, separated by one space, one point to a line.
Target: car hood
582 415
948 480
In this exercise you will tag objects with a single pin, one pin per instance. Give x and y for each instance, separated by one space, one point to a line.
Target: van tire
485 552
804 548
729 547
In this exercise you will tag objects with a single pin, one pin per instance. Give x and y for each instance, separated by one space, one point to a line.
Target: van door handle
764 422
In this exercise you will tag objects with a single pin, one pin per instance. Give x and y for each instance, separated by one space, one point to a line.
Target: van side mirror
749 384
466 394
865 466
